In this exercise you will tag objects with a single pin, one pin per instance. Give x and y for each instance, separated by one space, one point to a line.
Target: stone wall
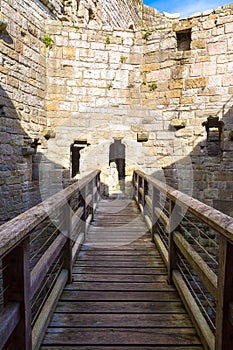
191 86
95 85
114 13
118 84
93 95
22 72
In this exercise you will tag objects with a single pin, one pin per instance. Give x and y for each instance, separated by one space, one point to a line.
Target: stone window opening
2 111
214 131
183 38
91 14
75 149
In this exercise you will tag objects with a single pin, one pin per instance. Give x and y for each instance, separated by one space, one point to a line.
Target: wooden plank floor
120 298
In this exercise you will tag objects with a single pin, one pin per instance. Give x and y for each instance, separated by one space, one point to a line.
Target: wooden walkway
120 298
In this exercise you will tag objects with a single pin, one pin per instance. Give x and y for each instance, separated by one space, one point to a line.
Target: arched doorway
117 155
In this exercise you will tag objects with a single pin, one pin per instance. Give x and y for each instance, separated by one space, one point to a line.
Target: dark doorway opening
75 149
117 155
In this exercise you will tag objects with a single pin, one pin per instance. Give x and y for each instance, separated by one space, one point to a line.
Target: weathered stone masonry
114 71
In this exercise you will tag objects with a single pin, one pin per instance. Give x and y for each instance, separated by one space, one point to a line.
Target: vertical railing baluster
17 288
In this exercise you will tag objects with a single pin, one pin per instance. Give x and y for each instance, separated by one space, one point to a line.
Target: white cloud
185 9
195 6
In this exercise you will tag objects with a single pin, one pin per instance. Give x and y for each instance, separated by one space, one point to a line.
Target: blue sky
185 8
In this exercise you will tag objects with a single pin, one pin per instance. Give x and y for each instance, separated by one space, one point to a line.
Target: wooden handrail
14 231
20 285
212 217
218 283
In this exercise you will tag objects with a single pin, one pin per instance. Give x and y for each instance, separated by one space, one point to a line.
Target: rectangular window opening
183 40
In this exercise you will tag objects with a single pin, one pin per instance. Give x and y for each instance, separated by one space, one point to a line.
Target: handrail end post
16 276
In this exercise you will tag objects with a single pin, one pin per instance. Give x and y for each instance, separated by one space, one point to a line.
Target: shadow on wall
16 153
20 159
206 173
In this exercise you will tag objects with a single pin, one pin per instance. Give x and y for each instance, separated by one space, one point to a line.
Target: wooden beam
161 247
206 275
203 329
47 310
15 230
220 222
16 285
77 246
9 318
42 267
224 326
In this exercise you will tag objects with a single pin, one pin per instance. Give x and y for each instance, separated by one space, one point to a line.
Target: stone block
169 43
186 101
209 24
176 84
186 132
227 80
173 94
149 67
229 28
198 44
217 48
202 59
68 53
195 83
211 193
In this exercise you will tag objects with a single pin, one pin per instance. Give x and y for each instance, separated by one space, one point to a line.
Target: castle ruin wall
168 101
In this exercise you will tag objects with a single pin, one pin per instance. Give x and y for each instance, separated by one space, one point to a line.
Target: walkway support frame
33 275
191 234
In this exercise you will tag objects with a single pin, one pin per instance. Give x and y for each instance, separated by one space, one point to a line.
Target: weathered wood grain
129 336
212 217
121 270
119 295
152 263
119 278
118 286
121 306
107 347
120 298
121 320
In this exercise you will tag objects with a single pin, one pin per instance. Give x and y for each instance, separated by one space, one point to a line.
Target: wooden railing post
84 215
224 317
93 182
154 217
68 246
98 187
137 188
17 288
143 193
172 254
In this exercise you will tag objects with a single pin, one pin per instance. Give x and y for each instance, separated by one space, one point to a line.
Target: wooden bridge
84 272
